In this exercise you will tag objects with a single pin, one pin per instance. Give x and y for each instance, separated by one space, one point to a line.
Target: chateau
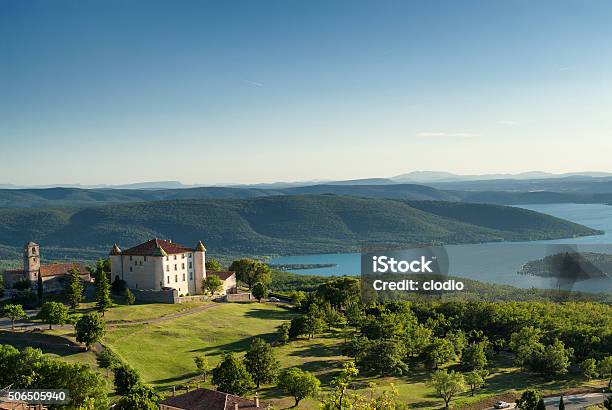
52 275
161 265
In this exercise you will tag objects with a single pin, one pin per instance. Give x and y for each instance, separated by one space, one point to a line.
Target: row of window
176 277
167 257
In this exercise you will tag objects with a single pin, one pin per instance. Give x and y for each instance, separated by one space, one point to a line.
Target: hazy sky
259 91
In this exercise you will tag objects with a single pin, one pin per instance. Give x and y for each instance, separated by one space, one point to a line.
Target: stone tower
31 260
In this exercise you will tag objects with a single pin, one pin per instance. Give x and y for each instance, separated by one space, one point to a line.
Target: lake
499 262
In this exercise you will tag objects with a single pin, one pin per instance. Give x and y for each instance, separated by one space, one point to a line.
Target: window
33 251
183 256
183 277
182 266
130 268
167 257
175 266
168 279
145 258
190 275
130 257
167 268
190 265
174 257
175 278
190 255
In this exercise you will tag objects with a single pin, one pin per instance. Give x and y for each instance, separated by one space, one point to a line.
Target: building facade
53 275
160 264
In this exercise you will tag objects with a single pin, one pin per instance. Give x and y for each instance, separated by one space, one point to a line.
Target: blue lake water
499 262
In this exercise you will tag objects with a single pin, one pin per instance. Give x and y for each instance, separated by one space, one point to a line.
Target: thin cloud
253 83
448 134
506 122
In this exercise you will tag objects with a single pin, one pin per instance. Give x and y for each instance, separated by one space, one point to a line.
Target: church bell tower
31 260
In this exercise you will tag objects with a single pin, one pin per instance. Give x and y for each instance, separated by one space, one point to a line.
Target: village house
206 399
53 275
162 264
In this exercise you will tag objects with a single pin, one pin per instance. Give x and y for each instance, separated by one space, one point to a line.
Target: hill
275 225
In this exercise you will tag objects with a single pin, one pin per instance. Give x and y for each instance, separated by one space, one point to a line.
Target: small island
571 266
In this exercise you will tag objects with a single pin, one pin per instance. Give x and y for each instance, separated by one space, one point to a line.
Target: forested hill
274 225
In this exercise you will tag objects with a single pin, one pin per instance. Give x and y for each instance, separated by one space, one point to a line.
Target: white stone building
159 265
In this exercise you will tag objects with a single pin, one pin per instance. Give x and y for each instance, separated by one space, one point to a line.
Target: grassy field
163 352
124 313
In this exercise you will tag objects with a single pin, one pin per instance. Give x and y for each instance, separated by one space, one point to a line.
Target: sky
113 92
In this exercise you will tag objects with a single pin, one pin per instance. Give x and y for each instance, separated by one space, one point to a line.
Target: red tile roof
151 248
223 275
58 269
205 399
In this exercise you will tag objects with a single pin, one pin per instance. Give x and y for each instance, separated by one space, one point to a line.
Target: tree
13 312
313 321
140 397
74 288
447 384
119 286
553 360
89 329
130 299
107 359
529 400
333 318
202 365
417 338
126 379
474 357
588 368
103 300
382 356
211 284
261 362
561 403
53 313
475 380
251 271
526 344
299 384
213 264
283 332
339 397
608 403
39 288
231 376
605 369
541 405
439 352
259 291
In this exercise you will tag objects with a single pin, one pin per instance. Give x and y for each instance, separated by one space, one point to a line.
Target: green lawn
124 313
163 352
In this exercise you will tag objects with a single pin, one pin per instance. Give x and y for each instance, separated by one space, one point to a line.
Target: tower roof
115 250
200 247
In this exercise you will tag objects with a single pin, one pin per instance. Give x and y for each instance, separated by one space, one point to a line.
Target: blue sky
260 91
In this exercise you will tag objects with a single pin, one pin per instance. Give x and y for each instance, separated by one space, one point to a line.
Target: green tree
107 359
202 365
53 313
553 360
74 288
417 338
213 264
103 300
126 379
251 271
89 329
39 288
13 312
526 344
299 384
588 368
231 376
608 403
259 291
261 362
605 369
561 403
475 380
140 397
447 384
529 400
439 352
211 284
541 405
313 321
339 397
283 332
382 356
333 318
474 357
130 299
